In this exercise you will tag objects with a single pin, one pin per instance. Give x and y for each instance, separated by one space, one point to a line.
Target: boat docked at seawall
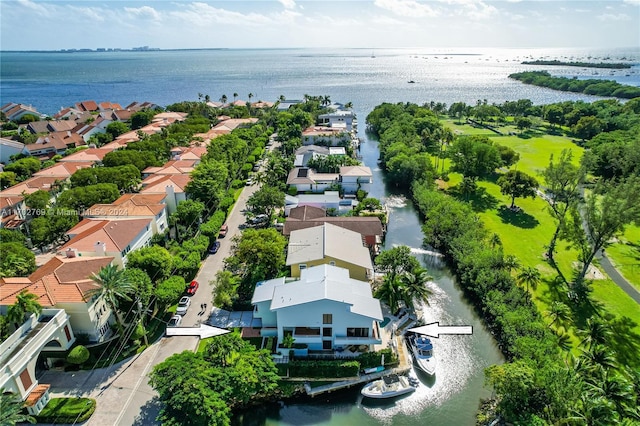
389 386
422 349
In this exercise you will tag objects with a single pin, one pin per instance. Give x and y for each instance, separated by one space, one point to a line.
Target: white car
183 305
174 321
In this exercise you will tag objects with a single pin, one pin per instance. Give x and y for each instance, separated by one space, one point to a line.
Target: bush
67 411
325 369
292 190
374 359
78 355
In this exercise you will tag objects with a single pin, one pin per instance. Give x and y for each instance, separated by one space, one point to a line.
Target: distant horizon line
159 49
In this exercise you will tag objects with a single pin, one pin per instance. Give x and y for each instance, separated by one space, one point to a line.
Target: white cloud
93 13
288 4
38 8
614 17
144 12
473 9
633 2
407 8
202 14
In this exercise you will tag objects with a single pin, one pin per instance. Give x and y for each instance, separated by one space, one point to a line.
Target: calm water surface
49 81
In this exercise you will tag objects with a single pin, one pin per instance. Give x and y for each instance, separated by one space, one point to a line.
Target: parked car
261 218
214 247
192 288
183 305
249 182
223 231
175 321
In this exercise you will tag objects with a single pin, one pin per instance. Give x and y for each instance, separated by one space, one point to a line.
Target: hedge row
326 369
67 411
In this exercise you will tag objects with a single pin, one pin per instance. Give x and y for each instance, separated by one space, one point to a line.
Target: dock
404 366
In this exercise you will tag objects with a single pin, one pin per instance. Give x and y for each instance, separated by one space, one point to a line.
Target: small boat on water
388 387
422 349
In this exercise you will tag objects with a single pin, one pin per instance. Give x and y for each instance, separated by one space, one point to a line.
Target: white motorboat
388 387
422 349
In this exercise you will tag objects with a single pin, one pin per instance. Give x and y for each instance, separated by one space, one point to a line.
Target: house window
303 266
103 329
358 332
307 331
327 332
327 318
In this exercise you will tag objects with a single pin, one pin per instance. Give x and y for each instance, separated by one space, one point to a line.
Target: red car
191 288
223 231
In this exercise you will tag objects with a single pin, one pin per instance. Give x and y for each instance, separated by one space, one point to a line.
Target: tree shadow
148 413
625 341
517 218
480 201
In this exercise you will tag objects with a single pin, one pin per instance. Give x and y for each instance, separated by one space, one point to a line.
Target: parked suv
223 231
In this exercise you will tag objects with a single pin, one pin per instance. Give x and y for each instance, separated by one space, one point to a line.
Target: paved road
123 394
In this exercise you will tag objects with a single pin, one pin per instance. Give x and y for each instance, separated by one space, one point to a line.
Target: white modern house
338 119
324 309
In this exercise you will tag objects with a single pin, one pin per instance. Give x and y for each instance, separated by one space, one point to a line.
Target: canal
453 397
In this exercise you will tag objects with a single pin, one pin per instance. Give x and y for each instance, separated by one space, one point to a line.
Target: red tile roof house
31 185
173 186
320 135
109 237
173 167
66 113
63 282
89 155
55 143
138 206
12 210
87 106
63 170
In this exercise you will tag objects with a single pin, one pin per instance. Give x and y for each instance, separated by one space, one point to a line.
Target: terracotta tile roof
60 140
321 131
122 114
9 201
32 185
262 104
128 205
108 105
60 280
157 184
64 169
65 112
88 155
35 395
191 153
174 167
87 106
169 115
116 234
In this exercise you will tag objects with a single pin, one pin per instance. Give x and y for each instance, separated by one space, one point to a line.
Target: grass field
626 255
526 233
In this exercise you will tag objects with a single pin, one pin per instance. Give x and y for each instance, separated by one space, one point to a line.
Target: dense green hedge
374 359
325 369
67 411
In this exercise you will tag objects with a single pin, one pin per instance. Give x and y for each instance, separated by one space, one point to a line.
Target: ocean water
49 81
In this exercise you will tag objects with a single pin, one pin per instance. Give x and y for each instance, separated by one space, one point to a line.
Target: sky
171 24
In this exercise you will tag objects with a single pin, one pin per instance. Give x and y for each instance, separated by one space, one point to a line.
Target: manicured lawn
67 410
626 255
526 233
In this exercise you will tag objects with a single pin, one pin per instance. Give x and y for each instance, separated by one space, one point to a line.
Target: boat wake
395 202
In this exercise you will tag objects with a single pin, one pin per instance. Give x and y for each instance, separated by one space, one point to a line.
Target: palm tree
495 240
564 341
250 95
281 98
235 96
326 100
599 358
559 314
223 99
207 99
529 276
348 105
390 292
595 334
114 286
11 410
617 390
26 303
510 262
414 287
